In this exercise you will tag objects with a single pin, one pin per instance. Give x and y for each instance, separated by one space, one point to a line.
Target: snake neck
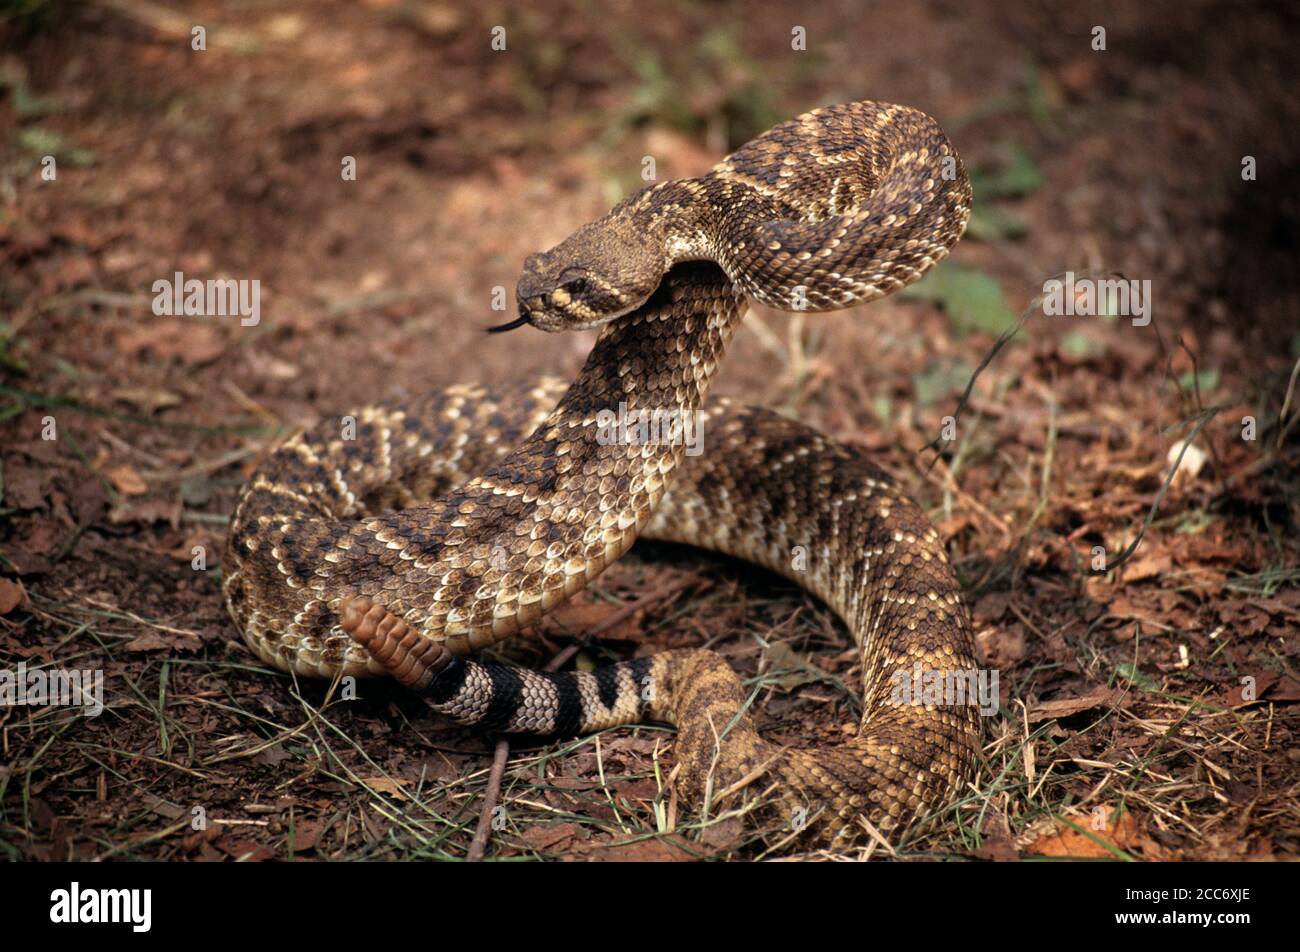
493 555
675 222
664 356
573 497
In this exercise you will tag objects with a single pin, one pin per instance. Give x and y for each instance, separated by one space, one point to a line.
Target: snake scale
449 523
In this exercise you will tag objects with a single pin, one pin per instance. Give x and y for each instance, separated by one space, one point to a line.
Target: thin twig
478 845
1201 419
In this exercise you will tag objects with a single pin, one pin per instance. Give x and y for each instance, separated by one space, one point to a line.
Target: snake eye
576 286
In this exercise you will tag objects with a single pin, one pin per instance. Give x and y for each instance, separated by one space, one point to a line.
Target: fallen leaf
551 838
249 851
1122 833
1064 707
1000 648
1080 75
389 785
997 844
151 510
1124 607
145 399
164 809
724 835
127 481
265 365
1147 566
658 849
272 756
28 554
11 595
1265 686
25 487
306 834
582 615
794 670
163 641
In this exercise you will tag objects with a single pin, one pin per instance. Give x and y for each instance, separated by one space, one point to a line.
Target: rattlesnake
446 525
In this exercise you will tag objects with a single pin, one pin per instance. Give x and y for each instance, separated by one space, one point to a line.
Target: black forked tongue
508 325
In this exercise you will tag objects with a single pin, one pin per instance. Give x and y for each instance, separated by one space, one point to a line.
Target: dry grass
1122 733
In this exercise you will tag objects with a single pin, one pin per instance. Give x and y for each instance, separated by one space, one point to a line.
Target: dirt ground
1149 712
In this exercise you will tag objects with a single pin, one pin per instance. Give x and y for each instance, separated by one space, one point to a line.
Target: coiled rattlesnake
449 524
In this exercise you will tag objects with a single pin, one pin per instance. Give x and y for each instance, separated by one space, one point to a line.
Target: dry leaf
1266 686
389 785
582 615
1046 710
1147 566
249 851
997 843
1121 833
306 834
11 595
1000 648
654 850
552 838
150 510
795 670
157 641
127 481
145 399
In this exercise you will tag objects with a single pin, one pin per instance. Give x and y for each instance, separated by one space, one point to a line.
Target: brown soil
1122 692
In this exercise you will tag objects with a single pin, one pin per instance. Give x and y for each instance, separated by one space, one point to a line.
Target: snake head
599 273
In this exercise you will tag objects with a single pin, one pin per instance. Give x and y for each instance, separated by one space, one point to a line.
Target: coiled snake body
447 525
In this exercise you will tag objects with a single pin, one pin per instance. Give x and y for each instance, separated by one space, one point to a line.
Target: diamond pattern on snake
451 522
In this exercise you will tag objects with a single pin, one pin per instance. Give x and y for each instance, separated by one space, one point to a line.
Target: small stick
478 845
